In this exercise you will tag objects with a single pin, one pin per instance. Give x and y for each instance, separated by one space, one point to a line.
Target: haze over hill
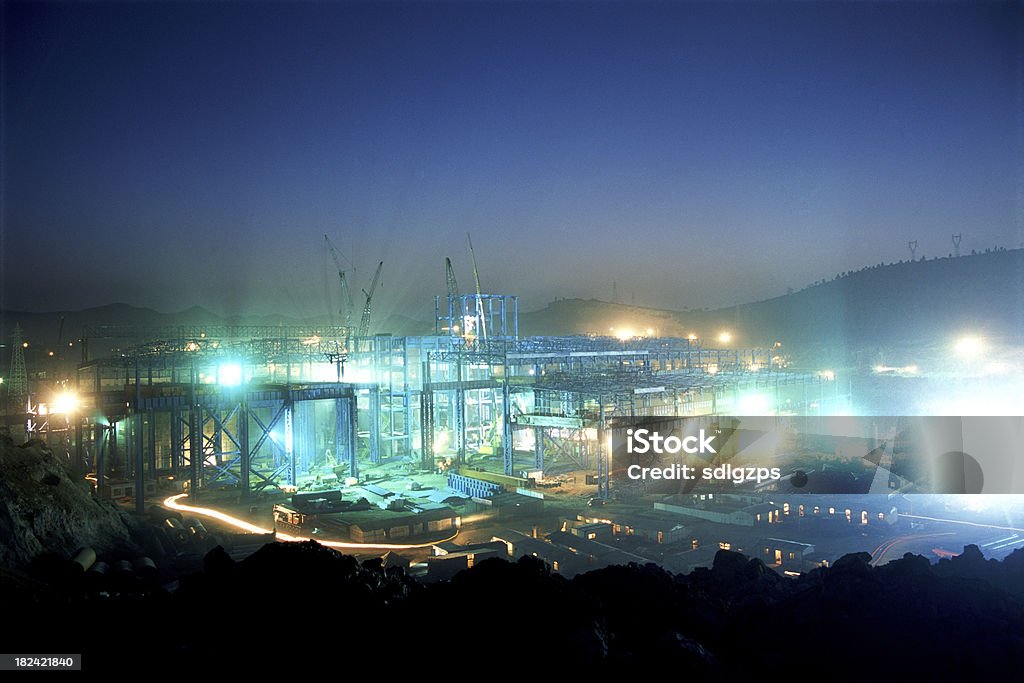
886 305
43 328
880 305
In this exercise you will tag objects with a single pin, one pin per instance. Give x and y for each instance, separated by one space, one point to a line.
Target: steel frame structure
155 406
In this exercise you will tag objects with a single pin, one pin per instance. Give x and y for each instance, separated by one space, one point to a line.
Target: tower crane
364 322
346 295
449 276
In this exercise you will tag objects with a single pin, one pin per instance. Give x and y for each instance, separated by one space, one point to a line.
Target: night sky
169 155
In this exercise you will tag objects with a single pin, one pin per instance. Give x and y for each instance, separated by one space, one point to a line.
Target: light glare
229 375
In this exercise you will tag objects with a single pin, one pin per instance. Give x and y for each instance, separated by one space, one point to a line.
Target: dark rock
43 510
217 563
854 563
729 559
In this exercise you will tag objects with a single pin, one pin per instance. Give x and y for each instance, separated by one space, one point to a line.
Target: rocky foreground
303 609
306 608
43 510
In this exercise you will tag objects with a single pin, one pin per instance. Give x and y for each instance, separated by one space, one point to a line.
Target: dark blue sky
169 155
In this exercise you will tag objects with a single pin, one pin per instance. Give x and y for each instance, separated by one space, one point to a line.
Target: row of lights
51 354
969 348
625 333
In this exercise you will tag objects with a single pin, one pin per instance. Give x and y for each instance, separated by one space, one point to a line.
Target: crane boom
364 322
449 275
346 294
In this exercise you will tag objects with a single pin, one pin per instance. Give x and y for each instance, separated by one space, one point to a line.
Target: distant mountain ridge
900 303
882 305
897 303
44 327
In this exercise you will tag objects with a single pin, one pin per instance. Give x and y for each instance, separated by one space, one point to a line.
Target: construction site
373 442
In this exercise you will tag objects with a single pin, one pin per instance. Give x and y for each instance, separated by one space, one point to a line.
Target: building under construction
270 408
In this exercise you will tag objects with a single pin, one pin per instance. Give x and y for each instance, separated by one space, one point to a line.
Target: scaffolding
257 408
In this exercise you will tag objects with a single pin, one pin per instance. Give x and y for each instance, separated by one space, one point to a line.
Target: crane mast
364 322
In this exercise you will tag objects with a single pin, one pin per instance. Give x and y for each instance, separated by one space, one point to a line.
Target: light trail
1012 543
881 550
999 540
173 504
959 521
879 553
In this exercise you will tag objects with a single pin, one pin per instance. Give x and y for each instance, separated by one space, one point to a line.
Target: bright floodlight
755 404
625 333
440 443
725 337
970 347
229 375
64 403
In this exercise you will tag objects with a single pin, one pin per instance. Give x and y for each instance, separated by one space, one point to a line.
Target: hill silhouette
885 305
920 302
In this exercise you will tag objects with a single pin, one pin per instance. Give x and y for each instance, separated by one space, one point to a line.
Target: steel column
195 440
243 447
176 439
151 449
98 447
289 445
507 450
427 428
538 448
351 436
602 464
374 434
